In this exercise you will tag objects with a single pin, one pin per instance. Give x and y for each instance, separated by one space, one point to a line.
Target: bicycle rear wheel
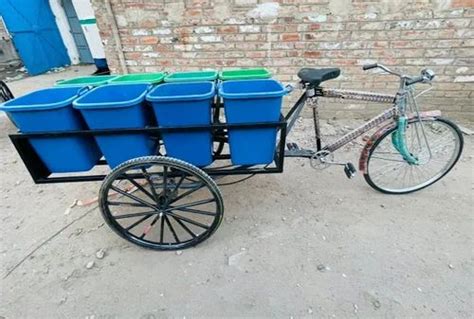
389 173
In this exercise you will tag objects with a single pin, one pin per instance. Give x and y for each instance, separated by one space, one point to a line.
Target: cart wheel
161 203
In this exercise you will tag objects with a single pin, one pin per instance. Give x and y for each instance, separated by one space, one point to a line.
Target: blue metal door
35 34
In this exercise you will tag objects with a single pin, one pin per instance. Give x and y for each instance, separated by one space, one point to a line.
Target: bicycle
397 158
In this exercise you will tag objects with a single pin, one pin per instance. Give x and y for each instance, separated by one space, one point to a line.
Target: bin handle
289 88
149 87
83 90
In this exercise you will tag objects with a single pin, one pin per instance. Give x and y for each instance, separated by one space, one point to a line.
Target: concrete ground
304 243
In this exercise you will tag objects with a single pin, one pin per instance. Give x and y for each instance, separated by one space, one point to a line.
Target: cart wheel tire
161 203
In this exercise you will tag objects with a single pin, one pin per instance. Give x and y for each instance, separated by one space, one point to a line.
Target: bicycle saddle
315 76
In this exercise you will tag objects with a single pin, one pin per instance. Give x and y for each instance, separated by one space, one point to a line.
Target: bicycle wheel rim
421 175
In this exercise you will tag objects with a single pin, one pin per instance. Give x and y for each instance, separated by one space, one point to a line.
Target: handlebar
369 66
426 76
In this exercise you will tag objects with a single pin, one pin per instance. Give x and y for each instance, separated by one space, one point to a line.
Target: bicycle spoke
388 159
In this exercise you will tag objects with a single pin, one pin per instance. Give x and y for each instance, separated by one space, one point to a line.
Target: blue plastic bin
252 101
51 110
118 106
185 104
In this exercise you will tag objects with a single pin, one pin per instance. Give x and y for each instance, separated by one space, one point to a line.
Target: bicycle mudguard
364 156
399 141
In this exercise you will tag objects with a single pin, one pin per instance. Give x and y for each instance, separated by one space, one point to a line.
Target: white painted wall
85 11
64 30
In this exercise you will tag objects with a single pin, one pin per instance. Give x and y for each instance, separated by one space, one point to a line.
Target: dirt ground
304 243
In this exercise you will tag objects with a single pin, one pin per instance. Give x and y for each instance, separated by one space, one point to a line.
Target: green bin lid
192 76
148 78
245 74
87 80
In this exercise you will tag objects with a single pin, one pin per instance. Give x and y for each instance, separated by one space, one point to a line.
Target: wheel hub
165 198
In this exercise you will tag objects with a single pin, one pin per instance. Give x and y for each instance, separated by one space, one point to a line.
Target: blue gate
35 34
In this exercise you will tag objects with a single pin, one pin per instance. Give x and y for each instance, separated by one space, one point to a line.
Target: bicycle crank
323 159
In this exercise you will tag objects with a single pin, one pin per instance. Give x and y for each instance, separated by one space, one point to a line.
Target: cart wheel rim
161 203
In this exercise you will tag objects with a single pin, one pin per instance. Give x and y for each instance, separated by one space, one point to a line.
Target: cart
164 203
138 188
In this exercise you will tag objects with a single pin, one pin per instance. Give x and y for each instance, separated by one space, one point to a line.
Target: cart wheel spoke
150 182
180 208
201 202
138 222
172 229
180 181
126 204
162 230
135 198
147 228
191 210
186 194
185 219
135 215
139 187
189 231
165 178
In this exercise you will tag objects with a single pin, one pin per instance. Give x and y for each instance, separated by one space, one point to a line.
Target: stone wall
285 35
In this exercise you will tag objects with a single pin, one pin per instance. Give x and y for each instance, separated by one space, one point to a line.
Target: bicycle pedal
350 170
292 146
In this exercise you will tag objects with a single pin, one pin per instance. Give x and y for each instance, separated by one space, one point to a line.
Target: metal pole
116 35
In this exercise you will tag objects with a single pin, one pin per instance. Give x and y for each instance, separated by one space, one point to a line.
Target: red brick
290 37
228 29
462 3
149 40
312 54
256 54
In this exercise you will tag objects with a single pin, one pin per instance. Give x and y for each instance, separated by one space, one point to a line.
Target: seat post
314 104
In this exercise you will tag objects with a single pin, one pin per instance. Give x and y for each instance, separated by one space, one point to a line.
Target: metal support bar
295 111
41 174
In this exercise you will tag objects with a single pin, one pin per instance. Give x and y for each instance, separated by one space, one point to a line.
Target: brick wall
286 35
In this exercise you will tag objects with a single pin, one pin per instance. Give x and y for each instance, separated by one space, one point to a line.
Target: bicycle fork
399 141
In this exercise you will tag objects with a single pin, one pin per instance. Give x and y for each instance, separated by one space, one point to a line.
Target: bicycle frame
314 94
394 113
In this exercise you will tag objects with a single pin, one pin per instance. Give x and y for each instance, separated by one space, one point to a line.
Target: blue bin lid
182 91
45 99
112 96
251 89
